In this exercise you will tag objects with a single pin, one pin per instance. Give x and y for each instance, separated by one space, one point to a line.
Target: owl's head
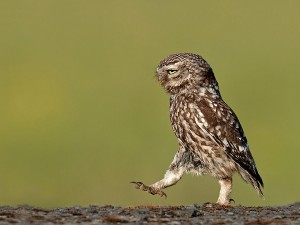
185 72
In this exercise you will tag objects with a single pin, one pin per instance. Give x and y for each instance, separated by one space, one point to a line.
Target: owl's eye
170 72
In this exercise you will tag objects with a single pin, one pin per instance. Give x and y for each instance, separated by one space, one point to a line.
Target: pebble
175 223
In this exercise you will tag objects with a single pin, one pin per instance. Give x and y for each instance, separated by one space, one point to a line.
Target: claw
231 200
138 185
149 189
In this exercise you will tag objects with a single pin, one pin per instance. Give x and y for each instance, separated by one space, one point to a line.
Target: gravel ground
173 215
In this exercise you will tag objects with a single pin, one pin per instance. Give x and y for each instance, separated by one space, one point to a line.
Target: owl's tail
254 179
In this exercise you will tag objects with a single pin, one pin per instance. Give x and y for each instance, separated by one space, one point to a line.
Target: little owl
210 136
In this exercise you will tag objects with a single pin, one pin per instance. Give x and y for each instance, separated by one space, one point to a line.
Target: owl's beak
160 80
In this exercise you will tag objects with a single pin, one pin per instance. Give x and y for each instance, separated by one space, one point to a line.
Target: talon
231 200
137 185
161 194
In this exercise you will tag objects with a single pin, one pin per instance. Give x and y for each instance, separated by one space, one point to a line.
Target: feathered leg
225 191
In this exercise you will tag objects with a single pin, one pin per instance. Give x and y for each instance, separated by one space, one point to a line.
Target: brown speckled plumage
211 138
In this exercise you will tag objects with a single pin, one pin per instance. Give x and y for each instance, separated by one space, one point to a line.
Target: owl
210 137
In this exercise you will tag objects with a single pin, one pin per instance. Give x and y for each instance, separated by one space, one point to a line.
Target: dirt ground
173 215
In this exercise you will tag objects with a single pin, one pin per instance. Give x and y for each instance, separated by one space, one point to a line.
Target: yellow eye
170 72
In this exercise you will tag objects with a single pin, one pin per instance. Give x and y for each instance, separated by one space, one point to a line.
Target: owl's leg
171 177
226 187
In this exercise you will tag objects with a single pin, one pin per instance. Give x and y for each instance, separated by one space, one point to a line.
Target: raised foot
149 189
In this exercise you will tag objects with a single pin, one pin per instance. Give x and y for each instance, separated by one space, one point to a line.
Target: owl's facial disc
172 74
168 72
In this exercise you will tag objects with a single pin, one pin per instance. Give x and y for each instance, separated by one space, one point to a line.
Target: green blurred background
81 114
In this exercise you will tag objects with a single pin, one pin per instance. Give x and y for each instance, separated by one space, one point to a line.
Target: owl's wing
224 128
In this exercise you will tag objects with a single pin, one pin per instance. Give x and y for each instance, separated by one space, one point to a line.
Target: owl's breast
177 115
190 124
183 116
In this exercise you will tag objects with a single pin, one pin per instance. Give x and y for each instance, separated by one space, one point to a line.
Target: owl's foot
226 203
149 189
